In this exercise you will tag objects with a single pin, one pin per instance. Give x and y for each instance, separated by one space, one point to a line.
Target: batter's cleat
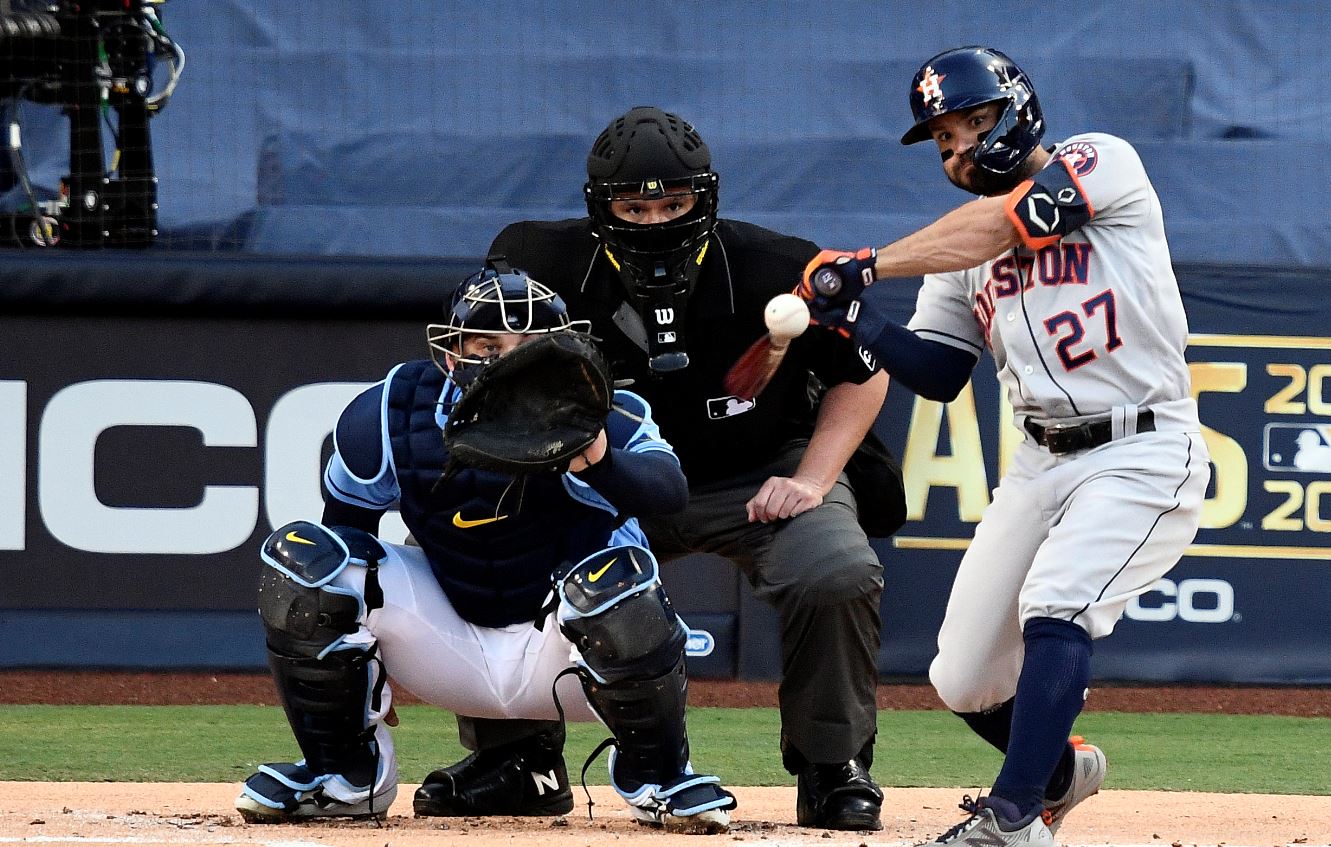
840 796
991 825
692 804
524 779
289 793
1088 774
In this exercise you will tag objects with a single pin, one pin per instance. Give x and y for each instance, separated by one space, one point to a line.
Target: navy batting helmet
971 76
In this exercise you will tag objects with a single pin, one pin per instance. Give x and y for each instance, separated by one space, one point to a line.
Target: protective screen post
83 221
94 59
132 198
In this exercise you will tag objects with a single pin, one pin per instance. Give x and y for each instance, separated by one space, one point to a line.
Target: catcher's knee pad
615 611
330 685
303 613
631 643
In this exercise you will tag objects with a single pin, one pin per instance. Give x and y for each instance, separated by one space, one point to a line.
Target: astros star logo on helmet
931 88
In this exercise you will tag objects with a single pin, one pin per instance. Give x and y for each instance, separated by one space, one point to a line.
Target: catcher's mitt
533 410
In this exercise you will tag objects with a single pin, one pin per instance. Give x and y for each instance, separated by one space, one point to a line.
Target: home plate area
71 813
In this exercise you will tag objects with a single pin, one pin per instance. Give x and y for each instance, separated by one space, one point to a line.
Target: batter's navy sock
1062 778
1050 694
993 725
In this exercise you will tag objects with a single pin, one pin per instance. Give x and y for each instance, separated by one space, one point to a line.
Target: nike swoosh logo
462 523
595 575
292 536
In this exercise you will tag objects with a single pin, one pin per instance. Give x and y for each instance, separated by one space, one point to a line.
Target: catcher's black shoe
526 778
839 796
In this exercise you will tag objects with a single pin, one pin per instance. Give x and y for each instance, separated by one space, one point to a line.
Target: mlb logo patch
1297 447
728 407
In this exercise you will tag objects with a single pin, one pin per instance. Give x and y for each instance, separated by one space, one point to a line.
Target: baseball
787 316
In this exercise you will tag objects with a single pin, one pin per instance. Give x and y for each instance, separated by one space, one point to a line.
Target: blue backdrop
421 127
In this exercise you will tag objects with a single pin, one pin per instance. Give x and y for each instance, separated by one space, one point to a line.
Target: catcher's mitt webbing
535 409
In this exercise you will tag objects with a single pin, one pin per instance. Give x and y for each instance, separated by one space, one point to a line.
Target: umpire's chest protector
493 543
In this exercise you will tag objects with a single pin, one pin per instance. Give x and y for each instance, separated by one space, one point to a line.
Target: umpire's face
639 210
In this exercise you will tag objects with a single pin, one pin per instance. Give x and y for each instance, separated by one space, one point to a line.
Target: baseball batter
1062 272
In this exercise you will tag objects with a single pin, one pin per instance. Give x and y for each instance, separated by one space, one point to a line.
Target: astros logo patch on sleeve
1081 156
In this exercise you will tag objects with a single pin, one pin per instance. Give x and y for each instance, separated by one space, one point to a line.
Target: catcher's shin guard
326 705
647 719
631 643
329 682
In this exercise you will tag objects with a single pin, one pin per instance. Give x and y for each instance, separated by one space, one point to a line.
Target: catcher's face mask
494 305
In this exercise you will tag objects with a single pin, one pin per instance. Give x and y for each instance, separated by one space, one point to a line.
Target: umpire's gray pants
819 572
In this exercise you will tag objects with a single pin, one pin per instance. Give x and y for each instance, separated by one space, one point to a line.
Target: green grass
1226 753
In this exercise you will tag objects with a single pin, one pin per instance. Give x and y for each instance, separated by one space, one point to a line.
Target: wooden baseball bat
752 371
787 317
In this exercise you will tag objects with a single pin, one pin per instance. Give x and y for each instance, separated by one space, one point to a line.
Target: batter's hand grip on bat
832 284
826 282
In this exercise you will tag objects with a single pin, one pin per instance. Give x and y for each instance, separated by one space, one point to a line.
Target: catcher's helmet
650 154
970 76
496 301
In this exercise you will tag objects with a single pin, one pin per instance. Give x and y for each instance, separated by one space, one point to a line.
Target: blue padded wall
421 127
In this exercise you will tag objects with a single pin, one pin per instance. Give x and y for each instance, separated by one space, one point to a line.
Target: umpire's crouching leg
820 573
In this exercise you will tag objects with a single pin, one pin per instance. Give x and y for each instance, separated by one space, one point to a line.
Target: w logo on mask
665 317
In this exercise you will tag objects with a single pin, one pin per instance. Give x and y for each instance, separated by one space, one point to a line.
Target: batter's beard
986 183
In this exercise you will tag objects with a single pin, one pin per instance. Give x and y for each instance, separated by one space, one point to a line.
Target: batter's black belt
1069 438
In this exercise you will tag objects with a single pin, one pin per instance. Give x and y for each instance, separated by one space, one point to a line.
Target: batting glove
832 284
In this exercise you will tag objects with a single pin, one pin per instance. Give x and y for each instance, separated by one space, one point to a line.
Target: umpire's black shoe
527 778
841 796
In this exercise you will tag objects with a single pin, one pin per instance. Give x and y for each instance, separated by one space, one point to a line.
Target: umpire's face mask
656 240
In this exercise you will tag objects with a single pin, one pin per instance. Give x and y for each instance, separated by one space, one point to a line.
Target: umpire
677 295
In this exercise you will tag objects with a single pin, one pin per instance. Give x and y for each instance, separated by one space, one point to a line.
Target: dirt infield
175 814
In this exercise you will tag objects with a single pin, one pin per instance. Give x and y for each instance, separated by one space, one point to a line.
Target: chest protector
493 541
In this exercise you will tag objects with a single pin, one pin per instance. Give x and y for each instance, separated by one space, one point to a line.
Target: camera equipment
95 59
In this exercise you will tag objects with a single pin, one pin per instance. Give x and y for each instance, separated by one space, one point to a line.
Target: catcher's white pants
1073 537
479 671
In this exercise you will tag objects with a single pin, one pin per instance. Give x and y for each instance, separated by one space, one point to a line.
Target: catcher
531 595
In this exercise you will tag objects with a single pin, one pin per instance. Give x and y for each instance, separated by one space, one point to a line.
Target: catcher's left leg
330 682
631 646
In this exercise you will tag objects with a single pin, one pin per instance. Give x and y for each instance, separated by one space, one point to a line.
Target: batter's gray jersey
1085 317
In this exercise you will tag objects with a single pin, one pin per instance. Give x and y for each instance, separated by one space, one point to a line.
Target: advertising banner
144 458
